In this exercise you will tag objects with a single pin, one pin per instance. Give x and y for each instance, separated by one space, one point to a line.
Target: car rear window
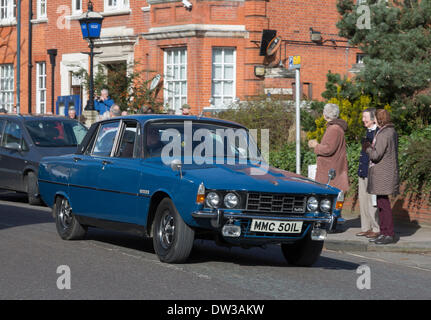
55 133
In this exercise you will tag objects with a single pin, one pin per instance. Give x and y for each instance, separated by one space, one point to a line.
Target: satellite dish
273 46
155 82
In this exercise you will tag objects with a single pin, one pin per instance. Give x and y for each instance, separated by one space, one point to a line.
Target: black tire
67 225
172 237
303 253
32 189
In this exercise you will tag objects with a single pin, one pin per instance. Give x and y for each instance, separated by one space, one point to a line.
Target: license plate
258 225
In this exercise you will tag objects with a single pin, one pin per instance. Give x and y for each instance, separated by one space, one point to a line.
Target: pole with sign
295 63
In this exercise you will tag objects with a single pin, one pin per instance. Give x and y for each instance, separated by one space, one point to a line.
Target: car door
120 176
13 151
85 192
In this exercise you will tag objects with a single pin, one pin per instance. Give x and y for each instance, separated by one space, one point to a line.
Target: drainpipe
30 55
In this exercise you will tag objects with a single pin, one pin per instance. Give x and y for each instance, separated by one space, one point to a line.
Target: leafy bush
285 158
128 86
263 113
415 161
350 100
353 154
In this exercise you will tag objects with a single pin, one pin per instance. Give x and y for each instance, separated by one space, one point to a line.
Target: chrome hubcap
166 230
65 214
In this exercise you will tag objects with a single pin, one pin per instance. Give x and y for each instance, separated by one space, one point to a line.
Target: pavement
410 237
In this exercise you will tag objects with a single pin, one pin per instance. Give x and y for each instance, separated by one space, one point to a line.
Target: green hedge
414 155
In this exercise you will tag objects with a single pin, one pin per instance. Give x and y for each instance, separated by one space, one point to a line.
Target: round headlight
325 205
231 200
212 200
312 204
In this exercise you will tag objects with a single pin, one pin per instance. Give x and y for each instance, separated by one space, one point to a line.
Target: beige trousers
369 216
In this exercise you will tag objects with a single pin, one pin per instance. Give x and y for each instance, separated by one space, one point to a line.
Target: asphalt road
111 265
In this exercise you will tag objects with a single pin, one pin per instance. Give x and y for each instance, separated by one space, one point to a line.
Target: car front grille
276 203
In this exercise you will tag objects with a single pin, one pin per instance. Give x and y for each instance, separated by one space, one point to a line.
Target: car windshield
56 133
199 140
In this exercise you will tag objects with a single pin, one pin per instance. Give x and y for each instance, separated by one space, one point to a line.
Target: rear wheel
32 189
302 253
172 237
67 225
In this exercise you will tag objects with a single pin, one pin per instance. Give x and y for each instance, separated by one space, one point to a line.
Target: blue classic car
179 178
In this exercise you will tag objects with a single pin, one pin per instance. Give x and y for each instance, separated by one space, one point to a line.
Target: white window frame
75 10
41 87
223 80
175 89
116 5
7 84
41 14
7 11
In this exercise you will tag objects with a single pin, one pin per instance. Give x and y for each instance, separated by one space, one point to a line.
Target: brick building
206 53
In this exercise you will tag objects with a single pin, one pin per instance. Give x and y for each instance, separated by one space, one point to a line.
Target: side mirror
331 175
13 146
176 165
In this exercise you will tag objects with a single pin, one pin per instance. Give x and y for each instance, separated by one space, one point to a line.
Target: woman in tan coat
383 174
331 152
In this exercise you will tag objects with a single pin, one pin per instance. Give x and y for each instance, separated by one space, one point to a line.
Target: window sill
118 12
74 16
39 20
7 23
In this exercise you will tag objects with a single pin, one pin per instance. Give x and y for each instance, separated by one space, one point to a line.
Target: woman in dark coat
383 174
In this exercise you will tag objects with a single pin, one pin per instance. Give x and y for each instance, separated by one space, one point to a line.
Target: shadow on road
121 239
16 212
207 251
13 196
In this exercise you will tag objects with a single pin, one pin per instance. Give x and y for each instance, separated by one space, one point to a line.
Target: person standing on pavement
383 174
369 222
331 152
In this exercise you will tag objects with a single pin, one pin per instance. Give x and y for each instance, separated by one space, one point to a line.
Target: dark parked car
178 178
25 139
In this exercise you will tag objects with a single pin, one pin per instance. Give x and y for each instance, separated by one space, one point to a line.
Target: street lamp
91 26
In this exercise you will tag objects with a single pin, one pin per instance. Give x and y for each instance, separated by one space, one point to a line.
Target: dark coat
331 154
364 160
383 174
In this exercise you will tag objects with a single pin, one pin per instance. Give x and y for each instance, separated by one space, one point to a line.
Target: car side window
128 141
12 136
105 139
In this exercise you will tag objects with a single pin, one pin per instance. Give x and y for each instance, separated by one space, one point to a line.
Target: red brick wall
405 207
292 20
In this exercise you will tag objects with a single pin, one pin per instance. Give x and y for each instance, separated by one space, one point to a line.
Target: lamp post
91 26
52 54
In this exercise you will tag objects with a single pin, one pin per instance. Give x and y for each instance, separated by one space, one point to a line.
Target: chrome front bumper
220 214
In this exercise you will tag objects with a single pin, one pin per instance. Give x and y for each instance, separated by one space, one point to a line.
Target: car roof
27 117
143 118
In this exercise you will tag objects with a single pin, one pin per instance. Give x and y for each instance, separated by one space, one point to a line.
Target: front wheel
302 253
67 225
32 189
172 237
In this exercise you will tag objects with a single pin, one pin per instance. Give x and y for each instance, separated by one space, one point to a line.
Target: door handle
76 159
105 162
